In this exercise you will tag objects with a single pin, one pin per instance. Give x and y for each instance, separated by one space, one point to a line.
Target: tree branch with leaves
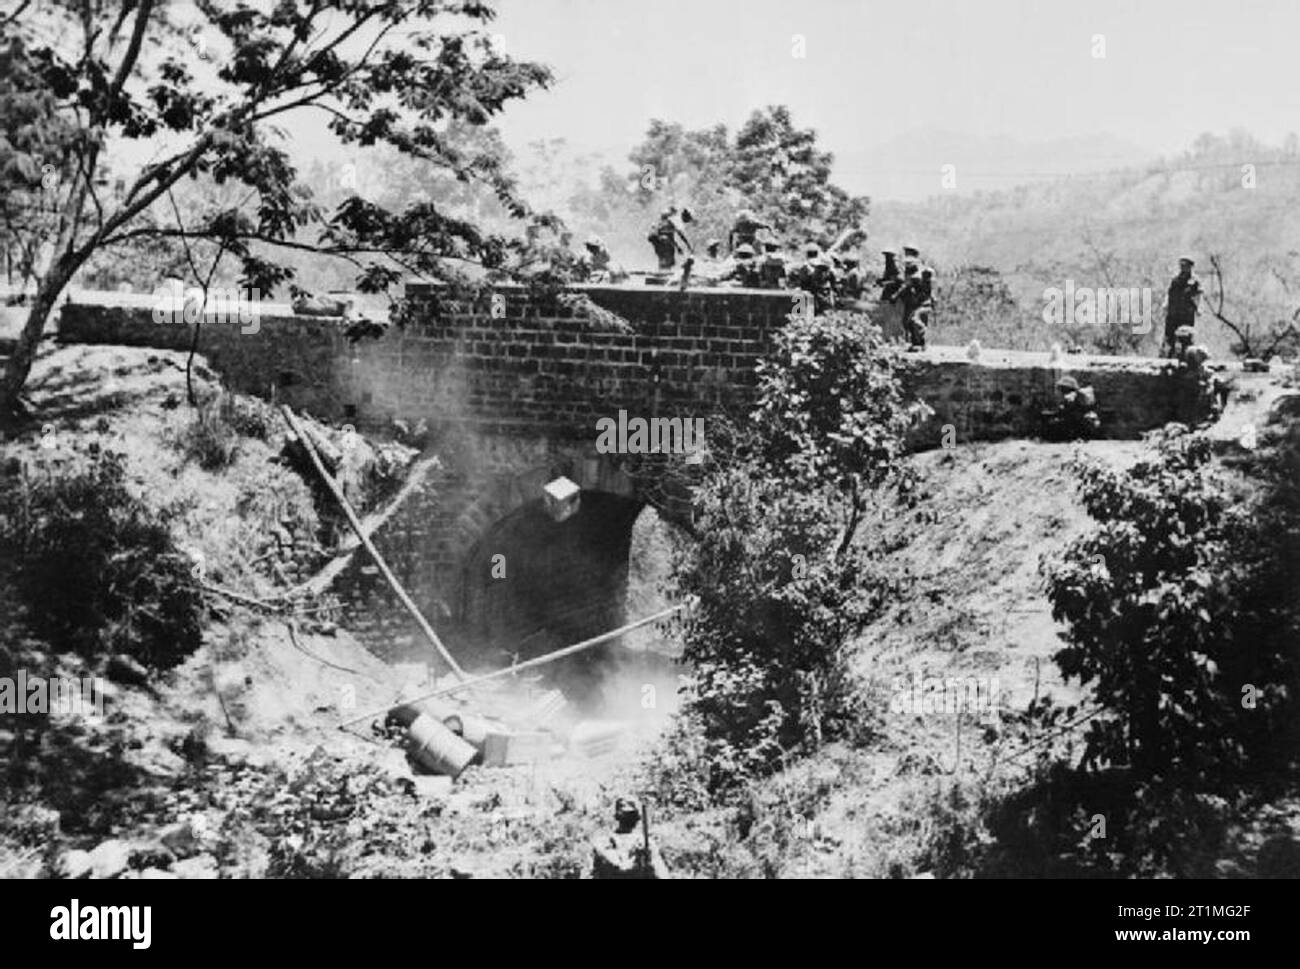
79 83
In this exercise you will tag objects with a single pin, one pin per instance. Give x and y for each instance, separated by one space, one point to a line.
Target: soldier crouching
1076 417
627 853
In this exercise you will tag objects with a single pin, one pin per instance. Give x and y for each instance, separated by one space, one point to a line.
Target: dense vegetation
97 568
781 586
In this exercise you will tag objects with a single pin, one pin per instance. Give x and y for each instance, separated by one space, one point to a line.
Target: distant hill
1127 228
909 167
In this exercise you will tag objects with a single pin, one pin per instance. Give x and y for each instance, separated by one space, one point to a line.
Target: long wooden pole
526 664
357 528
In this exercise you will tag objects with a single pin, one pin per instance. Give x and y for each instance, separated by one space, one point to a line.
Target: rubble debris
76 864
433 746
474 729
506 748
108 859
180 839
430 785
200 866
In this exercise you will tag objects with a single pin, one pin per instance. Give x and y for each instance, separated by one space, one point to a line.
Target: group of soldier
752 257
755 259
1076 415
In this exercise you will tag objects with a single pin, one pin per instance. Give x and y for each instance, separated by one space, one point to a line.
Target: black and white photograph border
560 439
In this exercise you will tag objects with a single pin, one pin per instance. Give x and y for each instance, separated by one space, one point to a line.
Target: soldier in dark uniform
596 265
890 281
852 284
627 853
1182 305
915 295
745 231
1076 417
664 236
824 285
771 268
799 276
744 270
815 275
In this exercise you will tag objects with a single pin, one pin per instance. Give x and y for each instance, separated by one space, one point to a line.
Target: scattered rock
110 858
433 785
200 866
180 839
75 864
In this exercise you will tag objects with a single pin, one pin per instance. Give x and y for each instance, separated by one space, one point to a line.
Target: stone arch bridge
511 387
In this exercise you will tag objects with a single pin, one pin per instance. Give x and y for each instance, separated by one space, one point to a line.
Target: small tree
832 409
775 610
1265 319
1181 611
780 584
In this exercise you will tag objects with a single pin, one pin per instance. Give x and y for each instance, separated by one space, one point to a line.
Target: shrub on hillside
252 417
1181 611
775 609
96 568
211 439
780 586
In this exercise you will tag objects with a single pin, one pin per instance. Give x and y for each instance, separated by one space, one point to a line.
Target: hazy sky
874 71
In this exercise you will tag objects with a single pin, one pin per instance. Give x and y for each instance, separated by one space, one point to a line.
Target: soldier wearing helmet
745 231
891 279
744 270
667 238
817 276
852 284
627 853
1076 415
596 265
1183 303
771 265
915 294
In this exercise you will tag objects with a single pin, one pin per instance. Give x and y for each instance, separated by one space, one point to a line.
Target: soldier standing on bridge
851 283
916 295
772 269
815 275
1182 305
744 270
664 236
596 265
745 231
890 281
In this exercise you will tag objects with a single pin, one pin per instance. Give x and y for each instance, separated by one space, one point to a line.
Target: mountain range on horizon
909 167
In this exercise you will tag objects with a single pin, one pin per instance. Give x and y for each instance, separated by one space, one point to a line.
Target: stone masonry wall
552 370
